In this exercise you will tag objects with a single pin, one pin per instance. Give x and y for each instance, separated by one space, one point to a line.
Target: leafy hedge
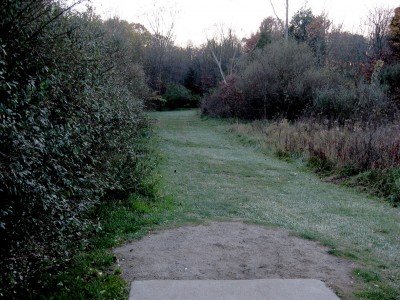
70 116
178 96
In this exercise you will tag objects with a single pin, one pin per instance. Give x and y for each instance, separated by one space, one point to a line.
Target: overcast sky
196 17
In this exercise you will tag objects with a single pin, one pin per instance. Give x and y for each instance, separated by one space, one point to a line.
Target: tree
250 44
286 24
346 51
162 25
391 74
126 52
305 27
317 32
287 21
394 34
300 23
378 21
140 39
270 30
224 47
191 81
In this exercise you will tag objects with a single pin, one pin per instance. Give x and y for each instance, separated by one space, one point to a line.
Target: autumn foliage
337 92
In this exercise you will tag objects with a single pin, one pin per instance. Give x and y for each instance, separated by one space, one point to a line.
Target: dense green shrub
178 96
70 116
385 183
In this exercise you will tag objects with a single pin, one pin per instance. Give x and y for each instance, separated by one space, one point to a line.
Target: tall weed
369 152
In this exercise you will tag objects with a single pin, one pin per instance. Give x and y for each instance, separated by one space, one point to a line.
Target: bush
226 102
281 80
391 78
338 103
274 80
213 106
364 102
232 97
385 183
177 96
70 122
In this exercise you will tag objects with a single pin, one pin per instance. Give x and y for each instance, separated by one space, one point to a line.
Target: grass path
213 176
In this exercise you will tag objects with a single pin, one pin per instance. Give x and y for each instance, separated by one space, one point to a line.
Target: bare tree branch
63 11
279 19
224 47
163 35
218 62
283 24
377 23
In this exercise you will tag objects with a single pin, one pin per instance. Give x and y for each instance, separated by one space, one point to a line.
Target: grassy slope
213 176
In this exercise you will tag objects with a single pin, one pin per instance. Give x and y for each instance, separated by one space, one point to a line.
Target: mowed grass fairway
213 176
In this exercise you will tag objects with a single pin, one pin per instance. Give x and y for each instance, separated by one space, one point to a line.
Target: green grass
383 183
215 175
376 288
341 253
92 274
208 173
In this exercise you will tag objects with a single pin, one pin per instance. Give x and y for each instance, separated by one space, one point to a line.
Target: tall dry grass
359 146
368 155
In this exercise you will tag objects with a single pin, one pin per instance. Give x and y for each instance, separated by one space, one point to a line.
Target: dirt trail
230 250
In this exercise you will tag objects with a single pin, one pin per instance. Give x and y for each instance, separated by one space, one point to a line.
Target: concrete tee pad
265 289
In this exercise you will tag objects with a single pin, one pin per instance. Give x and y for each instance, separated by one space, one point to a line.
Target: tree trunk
287 21
218 62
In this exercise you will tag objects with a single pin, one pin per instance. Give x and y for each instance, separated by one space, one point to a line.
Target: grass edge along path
205 179
92 273
212 176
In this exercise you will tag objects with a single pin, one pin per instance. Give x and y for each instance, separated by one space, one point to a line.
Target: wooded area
74 89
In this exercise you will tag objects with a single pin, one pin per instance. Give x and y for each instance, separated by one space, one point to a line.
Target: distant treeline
321 71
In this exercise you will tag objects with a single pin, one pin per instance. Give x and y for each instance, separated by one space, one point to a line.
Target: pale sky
197 17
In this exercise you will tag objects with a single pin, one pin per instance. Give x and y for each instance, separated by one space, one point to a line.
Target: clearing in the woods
244 214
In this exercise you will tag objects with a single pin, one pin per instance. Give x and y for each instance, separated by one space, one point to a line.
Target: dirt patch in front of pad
230 250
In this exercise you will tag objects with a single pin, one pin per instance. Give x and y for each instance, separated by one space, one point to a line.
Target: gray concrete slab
265 289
